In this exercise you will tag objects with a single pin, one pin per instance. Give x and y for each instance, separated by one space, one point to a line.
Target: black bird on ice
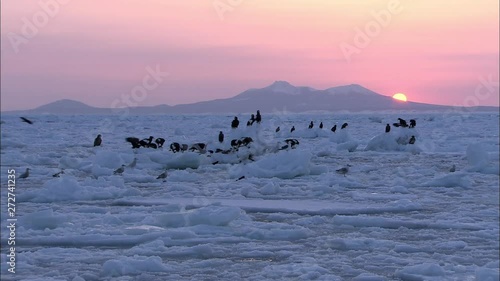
26 120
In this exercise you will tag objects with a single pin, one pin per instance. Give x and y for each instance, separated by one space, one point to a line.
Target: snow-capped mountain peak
284 87
349 89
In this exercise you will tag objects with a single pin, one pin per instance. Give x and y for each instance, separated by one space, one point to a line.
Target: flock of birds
236 144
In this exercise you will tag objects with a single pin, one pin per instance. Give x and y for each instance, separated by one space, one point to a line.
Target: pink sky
97 51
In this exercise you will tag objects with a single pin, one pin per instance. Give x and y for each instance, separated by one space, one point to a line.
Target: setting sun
400 96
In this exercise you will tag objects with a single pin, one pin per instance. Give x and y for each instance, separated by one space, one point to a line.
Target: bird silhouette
160 142
252 119
162 175
235 123
26 120
134 162
453 168
292 129
343 170
258 117
387 128
413 123
120 170
402 123
25 174
58 174
149 142
135 142
98 140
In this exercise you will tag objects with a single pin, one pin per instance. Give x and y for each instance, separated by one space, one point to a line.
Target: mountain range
279 96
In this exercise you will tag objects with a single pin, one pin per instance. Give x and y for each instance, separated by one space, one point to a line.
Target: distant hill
68 107
282 95
278 96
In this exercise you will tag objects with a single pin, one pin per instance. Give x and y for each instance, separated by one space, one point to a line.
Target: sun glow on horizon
400 97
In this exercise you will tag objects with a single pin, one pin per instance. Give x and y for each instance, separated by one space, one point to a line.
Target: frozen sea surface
398 214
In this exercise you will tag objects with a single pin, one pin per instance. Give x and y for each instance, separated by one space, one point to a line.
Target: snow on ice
265 211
